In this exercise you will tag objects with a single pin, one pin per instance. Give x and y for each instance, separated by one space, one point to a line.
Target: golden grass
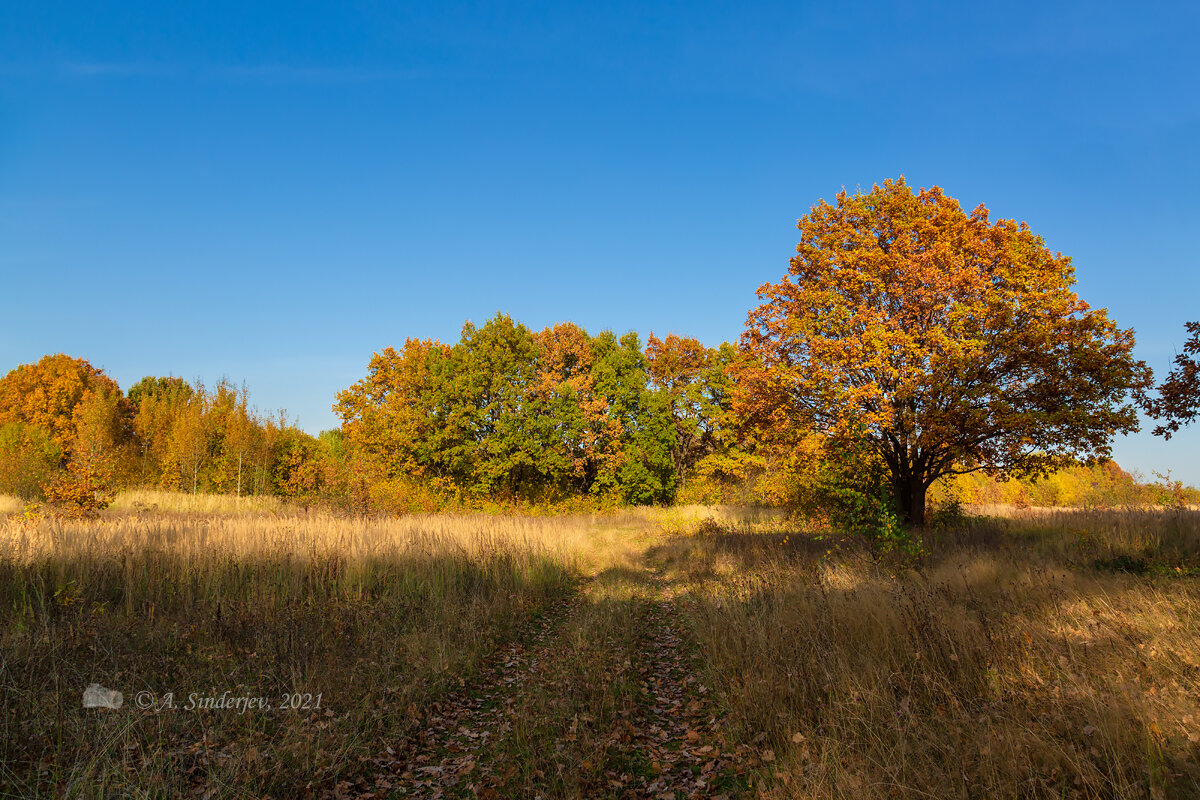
1010 511
1016 661
1034 654
378 616
138 500
10 504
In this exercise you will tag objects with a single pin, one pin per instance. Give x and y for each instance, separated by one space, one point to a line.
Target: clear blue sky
271 192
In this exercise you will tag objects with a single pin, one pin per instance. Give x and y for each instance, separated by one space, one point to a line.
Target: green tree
642 470
695 381
493 444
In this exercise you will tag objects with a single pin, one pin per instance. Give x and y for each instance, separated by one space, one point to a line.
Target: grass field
648 653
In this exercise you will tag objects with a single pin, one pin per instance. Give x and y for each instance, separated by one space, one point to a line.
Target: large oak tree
948 342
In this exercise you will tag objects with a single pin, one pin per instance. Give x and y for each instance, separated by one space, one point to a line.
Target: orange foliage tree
577 432
46 394
84 414
945 342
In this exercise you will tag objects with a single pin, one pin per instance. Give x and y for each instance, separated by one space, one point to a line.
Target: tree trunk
910 501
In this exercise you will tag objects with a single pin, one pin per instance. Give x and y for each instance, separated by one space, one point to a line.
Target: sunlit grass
379 616
1011 662
156 500
1029 653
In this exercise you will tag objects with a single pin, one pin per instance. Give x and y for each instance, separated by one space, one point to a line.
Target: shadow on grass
1004 664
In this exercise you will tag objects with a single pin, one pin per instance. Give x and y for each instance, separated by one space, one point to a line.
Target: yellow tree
103 421
944 342
45 394
103 428
190 439
240 430
29 458
387 415
158 402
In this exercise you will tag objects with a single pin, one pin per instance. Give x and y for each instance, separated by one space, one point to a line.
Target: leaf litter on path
660 739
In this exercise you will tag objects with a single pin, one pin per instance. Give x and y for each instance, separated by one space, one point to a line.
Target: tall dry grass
10 504
1049 655
378 617
140 500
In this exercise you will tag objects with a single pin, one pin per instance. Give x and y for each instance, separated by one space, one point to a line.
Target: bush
851 492
82 491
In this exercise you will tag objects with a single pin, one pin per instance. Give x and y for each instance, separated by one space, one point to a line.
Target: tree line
67 430
507 412
911 346
504 415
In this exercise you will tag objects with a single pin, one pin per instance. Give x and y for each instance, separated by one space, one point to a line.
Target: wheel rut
598 698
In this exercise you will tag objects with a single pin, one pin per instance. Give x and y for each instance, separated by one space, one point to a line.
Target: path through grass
599 699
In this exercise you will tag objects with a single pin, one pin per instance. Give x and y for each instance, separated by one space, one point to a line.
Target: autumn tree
103 421
190 440
693 378
511 413
240 430
46 393
945 342
572 419
393 416
1178 400
157 403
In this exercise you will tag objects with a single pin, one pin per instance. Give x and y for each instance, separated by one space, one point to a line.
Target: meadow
650 652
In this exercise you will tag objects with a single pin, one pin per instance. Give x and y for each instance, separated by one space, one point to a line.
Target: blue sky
271 193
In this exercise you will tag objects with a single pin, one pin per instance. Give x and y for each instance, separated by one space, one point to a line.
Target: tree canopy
47 393
509 412
947 342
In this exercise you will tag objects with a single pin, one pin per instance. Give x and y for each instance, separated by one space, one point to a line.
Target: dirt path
442 760
599 699
678 725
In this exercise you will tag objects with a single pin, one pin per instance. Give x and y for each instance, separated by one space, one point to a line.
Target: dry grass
379 617
139 500
1017 661
1039 654
10 504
